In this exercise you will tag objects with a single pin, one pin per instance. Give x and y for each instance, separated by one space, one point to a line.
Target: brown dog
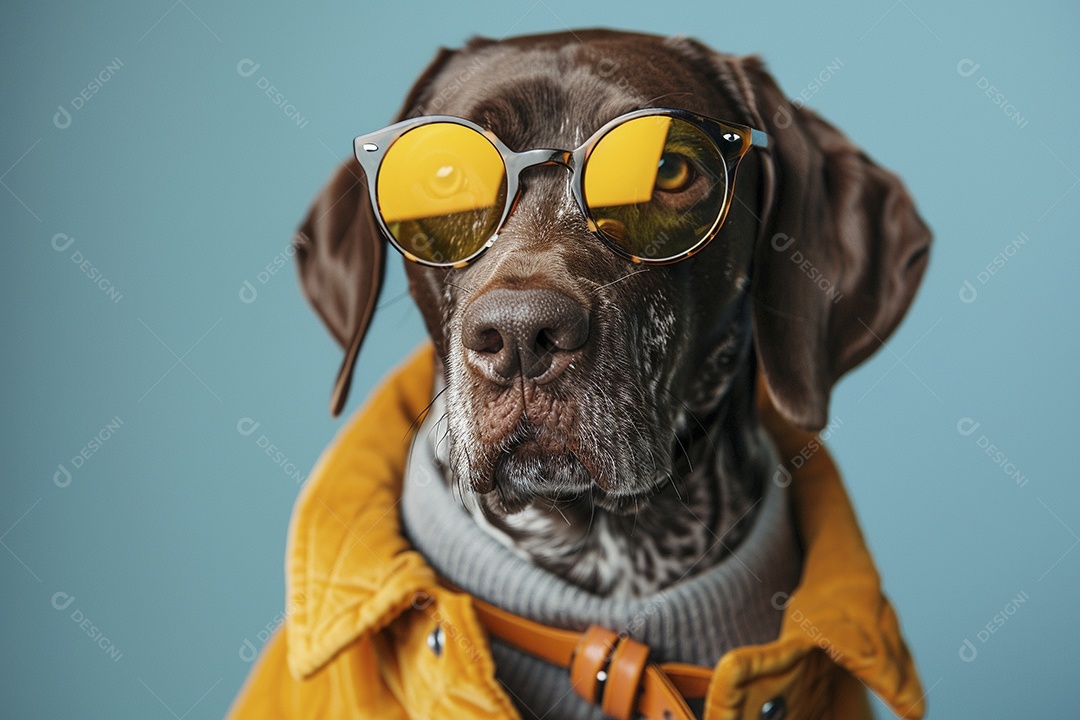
590 400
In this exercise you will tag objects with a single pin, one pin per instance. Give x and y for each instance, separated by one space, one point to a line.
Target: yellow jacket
354 642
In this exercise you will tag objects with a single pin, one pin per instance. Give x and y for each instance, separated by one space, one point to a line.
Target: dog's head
570 369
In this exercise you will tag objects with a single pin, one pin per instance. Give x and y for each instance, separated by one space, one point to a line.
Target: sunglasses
654 185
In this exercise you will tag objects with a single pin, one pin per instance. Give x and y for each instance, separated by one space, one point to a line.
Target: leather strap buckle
614 671
624 679
606 669
588 669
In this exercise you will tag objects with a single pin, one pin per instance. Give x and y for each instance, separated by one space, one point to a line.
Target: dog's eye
674 172
445 181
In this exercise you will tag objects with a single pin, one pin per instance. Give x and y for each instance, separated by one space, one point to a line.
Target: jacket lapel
349 571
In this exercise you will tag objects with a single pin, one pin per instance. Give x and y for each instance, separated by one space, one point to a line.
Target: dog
600 414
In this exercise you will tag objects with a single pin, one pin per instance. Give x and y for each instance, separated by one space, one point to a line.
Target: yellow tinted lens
441 191
655 186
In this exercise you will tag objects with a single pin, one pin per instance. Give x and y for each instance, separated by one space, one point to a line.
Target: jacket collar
350 571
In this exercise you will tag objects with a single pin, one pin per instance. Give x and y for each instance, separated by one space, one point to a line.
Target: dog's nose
529 332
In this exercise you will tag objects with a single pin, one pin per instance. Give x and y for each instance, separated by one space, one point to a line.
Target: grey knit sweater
695 621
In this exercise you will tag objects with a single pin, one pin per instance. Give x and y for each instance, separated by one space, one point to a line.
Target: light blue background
180 180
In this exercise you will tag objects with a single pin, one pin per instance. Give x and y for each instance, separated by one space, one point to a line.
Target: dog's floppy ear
840 253
342 254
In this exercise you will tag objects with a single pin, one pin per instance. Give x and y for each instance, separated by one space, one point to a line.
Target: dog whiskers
423 414
555 507
689 412
589 527
396 299
627 275
675 487
689 462
665 95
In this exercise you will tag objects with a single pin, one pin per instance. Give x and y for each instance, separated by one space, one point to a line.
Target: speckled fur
692 521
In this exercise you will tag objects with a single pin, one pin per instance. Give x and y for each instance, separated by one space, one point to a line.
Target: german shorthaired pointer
600 411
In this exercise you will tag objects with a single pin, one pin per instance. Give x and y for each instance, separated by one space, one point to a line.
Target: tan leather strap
600 662
623 678
660 699
590 659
